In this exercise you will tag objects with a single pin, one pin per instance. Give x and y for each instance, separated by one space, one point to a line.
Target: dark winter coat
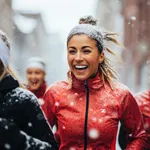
22 123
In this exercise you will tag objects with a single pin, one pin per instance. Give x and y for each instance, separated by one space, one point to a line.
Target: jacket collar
8 83
93 83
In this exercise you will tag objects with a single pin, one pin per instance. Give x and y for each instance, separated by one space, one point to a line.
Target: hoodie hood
8 83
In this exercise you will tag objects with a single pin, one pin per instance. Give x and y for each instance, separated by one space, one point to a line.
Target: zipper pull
86 85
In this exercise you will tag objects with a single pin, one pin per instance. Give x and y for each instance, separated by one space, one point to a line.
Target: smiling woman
35 73
88 107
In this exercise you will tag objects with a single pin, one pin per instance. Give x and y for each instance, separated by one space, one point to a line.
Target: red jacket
143 100
107 107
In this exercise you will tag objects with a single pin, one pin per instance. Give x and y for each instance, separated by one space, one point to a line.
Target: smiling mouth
79 67
34 83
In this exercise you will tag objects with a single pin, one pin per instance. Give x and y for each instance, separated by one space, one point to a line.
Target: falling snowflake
6 127
40 101
30 124
40 116
146 125
94 119
103 111
76 94
56 104
7 146
145 103
133 18
93 133
80 99
130 135
148 62
71 103
100 120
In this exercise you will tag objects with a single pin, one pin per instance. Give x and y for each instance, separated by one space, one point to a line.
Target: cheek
70 60
41 78
28 77
93 61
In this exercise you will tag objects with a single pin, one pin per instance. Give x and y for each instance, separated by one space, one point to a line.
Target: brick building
136 15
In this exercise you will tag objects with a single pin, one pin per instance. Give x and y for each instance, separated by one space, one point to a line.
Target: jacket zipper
86 115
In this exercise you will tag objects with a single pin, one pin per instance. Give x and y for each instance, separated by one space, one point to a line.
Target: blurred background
40 28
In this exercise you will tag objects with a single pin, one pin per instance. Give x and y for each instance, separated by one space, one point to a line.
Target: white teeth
80 67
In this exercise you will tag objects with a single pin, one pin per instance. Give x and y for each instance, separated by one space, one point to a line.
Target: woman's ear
101 57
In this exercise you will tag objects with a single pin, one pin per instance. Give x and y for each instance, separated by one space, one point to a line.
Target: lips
33 83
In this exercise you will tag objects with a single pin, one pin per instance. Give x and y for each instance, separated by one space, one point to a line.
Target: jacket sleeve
132 122
49 107
143 100
13 139
38 126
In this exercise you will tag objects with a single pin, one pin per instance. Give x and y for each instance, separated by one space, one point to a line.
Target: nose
32 76
78 57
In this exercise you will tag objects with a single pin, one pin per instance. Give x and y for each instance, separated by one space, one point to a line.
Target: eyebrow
72 47
86 47
82 47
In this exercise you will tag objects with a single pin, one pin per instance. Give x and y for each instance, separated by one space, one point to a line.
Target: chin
34 88
81 78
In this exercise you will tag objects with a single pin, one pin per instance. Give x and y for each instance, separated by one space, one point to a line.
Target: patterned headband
92 31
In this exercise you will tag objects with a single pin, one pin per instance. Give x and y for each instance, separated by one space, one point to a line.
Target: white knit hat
4 53
36 62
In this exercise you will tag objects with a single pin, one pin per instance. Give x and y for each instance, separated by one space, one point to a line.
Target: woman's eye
29 73
86 51
37 73
72 51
